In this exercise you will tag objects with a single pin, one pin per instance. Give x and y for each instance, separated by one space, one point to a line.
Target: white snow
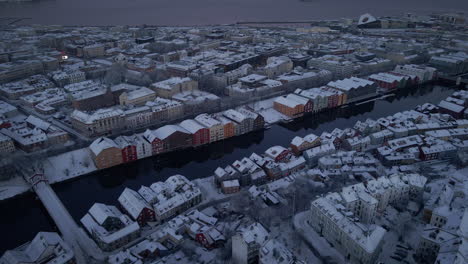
69 165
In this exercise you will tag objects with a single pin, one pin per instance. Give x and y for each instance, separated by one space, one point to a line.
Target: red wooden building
157 145
135 206
200 134
129 152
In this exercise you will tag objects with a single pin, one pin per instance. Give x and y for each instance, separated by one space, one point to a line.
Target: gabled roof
132 202
102 144
100 212
165 131
191 125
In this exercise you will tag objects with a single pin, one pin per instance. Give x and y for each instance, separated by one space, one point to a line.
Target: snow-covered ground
13 187
209 189
291 239
69 165
320 244
262 105
272 116
265 108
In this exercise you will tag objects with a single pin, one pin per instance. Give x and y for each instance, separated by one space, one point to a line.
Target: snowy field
69 165
265 108
272 116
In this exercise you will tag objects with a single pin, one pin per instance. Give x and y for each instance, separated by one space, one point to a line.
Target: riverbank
76 163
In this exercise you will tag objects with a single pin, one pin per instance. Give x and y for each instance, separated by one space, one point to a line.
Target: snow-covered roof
255 233
275 151
45 246
167 130
287 102
132 202
101 144
191 125
451 106
207 120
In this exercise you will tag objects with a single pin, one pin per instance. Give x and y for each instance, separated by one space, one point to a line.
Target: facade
258 119
174 137
216 128
19 69
288 107
128 147
157 145
137 97
229 127
100 122
200 134
144 148
243 123
6 145
92 99
106 153
307 103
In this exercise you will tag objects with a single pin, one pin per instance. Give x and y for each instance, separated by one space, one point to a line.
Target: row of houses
201 130
113 227
348 90
30 134
333 95
404 76
109 120
277 162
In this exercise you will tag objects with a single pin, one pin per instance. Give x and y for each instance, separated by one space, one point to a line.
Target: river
24 216
202 12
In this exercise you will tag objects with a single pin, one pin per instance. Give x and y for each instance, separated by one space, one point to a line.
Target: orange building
288 107
106 153
228 126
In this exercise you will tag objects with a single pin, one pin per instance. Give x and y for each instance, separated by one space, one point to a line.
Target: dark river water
191 12
24 216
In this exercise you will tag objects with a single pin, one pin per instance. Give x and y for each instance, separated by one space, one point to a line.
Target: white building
174 196
346 218
109 227
246 244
